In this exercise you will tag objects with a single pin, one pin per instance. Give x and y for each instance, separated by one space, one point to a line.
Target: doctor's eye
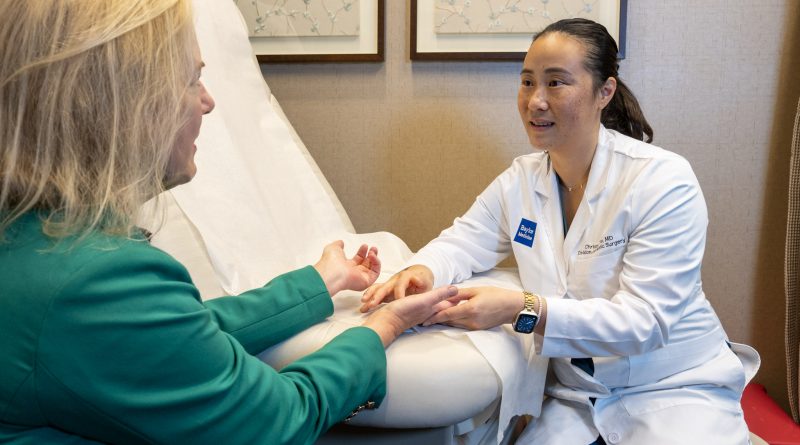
527 83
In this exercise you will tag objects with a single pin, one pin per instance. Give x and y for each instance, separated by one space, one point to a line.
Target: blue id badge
526 232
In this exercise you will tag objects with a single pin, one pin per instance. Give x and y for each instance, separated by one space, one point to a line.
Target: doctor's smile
541 124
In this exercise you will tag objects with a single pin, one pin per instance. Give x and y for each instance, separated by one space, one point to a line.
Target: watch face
525 323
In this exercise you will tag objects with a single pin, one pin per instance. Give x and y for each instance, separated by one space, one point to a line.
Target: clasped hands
473 308
357 273
482 308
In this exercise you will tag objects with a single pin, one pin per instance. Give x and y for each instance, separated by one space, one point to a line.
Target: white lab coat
623 287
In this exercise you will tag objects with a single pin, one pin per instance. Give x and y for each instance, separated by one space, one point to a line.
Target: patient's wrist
334 281
385 330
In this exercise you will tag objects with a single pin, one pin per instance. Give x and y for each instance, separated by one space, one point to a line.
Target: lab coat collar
597 182
546 185
547 205
599 173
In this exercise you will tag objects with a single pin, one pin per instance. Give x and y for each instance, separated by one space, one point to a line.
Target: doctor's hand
392 319
482 308
340 273
411 280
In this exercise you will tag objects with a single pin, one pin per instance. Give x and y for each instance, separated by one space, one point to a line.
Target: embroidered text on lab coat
606 242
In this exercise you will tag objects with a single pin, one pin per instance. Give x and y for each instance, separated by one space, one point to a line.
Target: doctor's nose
538 100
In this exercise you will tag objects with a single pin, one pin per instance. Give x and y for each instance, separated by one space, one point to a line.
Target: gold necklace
570 189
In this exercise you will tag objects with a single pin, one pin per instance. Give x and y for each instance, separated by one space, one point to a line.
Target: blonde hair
90 107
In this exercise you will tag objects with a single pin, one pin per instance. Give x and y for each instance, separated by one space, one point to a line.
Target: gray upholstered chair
792 275
765 418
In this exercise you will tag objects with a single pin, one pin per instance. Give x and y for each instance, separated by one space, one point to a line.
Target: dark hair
623 113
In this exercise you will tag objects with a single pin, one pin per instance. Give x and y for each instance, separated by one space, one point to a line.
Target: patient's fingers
364 257
450 316
450 310
441 294
442 305
361 255
402 314
373 262
426 301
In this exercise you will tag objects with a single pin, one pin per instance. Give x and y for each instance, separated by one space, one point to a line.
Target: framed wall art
315 30
500 29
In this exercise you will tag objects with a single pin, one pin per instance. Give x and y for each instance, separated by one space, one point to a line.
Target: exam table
259 206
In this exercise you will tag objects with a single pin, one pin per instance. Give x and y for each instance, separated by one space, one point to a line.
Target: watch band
530 302
527 318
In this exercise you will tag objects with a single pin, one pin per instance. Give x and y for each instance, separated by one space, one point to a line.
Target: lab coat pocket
596 275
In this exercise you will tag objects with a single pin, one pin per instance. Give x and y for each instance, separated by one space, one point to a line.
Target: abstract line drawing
301 18
507 16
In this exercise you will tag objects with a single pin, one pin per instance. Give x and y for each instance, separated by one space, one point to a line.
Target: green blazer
108 340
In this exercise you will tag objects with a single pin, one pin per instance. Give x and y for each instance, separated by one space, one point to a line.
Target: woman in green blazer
104 338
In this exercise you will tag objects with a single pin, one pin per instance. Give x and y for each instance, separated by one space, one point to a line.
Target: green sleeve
263 317
128 354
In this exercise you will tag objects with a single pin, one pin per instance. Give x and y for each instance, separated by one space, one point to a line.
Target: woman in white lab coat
608 232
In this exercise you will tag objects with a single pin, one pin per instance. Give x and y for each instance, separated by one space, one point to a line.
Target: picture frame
367 46
427 44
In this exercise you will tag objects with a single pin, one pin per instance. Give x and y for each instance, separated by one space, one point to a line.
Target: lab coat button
613 438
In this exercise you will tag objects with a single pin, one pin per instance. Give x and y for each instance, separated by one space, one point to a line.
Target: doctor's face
196 102
558 102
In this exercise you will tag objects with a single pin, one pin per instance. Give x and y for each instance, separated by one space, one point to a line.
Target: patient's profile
105 337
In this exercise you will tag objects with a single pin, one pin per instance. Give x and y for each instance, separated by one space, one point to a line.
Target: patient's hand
391 320
483 308
411 280
340 273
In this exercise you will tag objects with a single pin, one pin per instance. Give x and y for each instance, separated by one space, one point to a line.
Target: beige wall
407 146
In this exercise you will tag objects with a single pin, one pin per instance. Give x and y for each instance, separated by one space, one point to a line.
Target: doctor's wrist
531 317
518 305
542 311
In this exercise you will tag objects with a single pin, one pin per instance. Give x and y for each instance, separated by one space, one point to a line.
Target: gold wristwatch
527 318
